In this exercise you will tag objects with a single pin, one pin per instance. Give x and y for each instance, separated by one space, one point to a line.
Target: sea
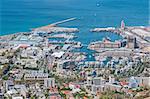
22 15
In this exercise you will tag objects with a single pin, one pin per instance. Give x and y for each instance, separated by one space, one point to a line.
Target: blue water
57 39
21 15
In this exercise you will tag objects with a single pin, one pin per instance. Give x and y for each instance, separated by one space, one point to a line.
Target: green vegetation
79 95
136 70
66 89
113 95
63 95
5 77
62 80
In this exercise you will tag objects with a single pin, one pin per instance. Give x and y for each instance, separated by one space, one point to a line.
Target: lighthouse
122 25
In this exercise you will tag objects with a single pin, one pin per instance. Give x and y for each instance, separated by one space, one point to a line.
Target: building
35 76
22 90
113 87
131 42
97 88
49 82
58 54
117 53
111 80
106 43
1 91
143 81
95 84
17 97
98 81
8 84
133 83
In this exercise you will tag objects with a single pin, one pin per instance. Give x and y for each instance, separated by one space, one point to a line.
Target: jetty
63 21
53 27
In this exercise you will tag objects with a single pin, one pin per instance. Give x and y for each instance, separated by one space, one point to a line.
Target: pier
65 36
61 42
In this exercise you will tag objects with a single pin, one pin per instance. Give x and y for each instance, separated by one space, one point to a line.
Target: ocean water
21 15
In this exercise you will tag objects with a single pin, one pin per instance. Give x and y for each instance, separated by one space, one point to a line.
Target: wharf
103 29
61 42
107 29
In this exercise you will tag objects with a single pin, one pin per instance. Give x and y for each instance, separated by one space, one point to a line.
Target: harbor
75 49
141 33
43 54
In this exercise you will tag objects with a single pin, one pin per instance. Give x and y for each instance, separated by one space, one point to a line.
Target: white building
17 97
98 81
49 82
35 76
144 81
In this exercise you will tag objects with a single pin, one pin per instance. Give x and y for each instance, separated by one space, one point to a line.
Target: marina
74 49
139 32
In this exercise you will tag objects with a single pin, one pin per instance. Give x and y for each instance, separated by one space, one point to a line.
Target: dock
107 29
65 36
62 42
